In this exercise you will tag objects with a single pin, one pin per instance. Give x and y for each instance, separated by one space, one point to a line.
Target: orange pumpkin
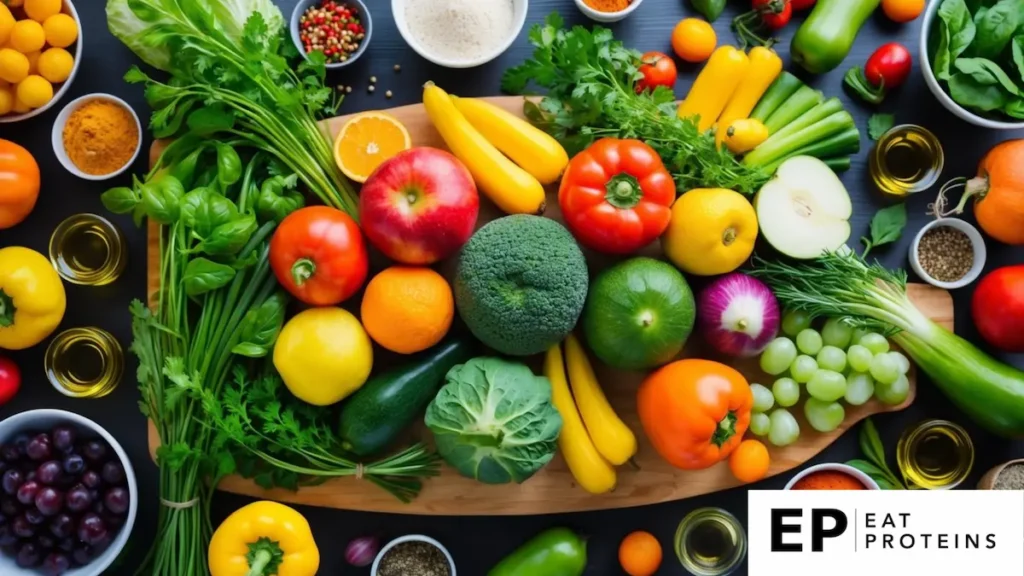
695 412
998 192
19 183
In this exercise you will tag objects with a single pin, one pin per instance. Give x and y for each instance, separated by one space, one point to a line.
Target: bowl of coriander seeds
948 253
414 554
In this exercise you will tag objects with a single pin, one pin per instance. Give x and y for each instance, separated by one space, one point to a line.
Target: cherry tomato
802 4
774 13
10 380
694 40
902 11
888 66
658 70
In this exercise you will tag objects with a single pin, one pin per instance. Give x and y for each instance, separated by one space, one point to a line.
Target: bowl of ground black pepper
948 253
97 136
413 555
1006 476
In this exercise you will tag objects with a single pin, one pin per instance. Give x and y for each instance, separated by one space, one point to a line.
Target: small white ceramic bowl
977 242
931 18
364 19
599 16
42 420
519 8
411 538
68 9
57 136
834 467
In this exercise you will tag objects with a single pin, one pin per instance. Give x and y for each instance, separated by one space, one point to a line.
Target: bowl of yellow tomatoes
40 50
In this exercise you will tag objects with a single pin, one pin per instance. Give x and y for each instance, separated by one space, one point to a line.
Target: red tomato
774 13
10 380
616 196
890 64
658 70
318 255
802 4
998 308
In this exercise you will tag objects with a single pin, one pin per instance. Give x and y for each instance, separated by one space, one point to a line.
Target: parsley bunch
591 82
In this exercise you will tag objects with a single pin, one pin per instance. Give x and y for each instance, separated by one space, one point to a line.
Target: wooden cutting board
553 488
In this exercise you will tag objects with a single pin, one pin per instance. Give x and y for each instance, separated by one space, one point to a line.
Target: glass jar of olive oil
935 455
84 362
710 542
88 249
906 159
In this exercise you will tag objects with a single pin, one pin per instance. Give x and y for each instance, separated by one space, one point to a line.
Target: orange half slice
366 141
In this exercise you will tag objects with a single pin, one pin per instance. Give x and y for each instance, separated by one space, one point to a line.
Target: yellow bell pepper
32 299
263 539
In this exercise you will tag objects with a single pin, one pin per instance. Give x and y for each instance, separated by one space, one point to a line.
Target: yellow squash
613 439
745 134
510 187
765 65
714 86
591 470
528 146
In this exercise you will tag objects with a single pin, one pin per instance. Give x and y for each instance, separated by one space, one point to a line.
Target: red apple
419 206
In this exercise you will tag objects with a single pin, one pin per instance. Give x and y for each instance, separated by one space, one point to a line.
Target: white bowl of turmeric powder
97 137
607 11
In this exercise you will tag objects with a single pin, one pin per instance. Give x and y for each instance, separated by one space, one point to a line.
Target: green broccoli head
521 284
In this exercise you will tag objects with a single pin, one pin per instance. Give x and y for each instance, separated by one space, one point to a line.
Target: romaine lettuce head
493 420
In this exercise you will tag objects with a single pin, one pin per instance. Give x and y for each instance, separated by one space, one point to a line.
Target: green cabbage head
493 420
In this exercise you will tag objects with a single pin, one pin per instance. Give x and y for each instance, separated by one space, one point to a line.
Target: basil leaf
965 90
185 169
229 165
888 224
961 31
995 28
230 237
987 73
203 275
162 199
120 200
278 198
204 210
879 124
260 327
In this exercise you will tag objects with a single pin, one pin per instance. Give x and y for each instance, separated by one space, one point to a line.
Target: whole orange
640 554
407 309
749 461
694 40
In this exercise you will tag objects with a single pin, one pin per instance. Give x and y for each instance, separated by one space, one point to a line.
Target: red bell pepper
616 196
318 255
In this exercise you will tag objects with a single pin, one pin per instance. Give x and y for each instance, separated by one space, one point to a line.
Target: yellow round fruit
6 23
35 91
6 100
33 62
61 30
14 3
13 65
712 231
55 65
40 10
20 107
28 36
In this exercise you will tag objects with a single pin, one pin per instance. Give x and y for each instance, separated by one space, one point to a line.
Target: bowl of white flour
459 33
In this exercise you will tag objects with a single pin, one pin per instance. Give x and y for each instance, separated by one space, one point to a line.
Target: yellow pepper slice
262 539
32 298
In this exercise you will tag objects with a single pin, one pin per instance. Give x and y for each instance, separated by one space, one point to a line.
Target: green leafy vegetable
957 33
1018 55
995 27
986 73
1015 108
203 275
879 124
968 91
591 79
875 466
886 227
493 420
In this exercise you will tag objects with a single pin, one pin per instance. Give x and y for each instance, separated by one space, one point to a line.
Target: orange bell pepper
19 183
695 412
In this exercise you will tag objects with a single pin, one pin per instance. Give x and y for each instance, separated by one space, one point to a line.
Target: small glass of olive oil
710 542
84 362
88 249
905 160
935 455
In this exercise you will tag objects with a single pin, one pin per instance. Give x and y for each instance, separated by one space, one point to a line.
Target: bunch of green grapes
838 363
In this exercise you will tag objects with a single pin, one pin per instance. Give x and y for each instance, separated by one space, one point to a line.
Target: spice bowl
988 481
518 20
977 247
365 20
62 89
599 16
375 569
57 136
861 477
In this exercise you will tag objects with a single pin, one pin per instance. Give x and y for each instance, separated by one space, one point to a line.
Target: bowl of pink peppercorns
339 29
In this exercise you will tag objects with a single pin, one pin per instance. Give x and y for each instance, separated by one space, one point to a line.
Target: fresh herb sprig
875 466
591 79
879 124
886 227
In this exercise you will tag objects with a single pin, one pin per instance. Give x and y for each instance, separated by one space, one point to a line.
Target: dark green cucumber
781 89
837 163
801 101
843 142
379 411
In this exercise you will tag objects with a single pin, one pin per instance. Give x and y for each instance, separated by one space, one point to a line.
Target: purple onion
361 551
738 315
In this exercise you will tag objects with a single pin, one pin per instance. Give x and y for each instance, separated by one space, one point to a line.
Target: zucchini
801 101
813 116
782 88
844 142
790 145
837 163
379 411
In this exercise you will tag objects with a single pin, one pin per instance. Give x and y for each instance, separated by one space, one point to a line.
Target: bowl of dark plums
68 496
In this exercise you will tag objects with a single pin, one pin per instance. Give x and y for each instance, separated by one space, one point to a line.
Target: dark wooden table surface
475 542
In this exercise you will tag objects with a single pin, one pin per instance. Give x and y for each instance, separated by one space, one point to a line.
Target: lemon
6 23
6 101
35 91
40 10
55 65
13 65
61 30
20 107
28 36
